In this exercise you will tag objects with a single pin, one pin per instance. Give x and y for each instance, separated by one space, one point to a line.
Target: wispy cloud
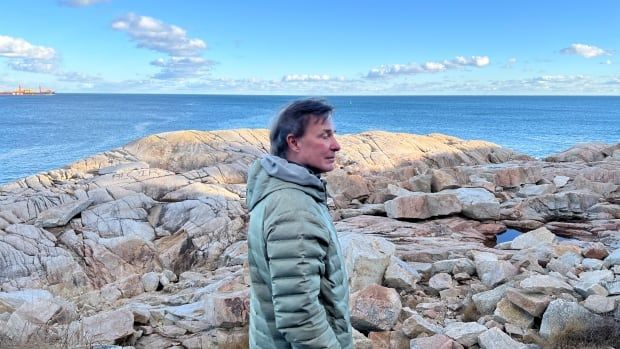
584 50
428 67
182 67
24 56
80 3
184 54
310 77
156 35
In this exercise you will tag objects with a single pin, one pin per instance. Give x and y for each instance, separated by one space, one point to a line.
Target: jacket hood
273 173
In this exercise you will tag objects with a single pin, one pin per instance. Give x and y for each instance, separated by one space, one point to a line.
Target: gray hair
294 119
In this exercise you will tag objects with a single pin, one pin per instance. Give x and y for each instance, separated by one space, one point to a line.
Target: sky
453 47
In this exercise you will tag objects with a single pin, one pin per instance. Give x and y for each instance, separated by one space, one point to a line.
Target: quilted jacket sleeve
297 242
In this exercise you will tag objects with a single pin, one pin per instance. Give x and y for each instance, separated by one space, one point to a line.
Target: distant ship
28 92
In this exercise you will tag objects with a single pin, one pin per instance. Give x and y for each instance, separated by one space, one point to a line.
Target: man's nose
335 146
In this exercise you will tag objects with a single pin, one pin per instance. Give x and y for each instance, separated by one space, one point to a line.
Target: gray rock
150 281
599 304
61 215
487 301
533 238
366 258
613 287
613 258
492 271
494 338
466 333
360 341
535 190
434 342
400 275
230 309
440 282
592 264
545 284
560 181
454 266
477 203
561 315
586 289
416 325
9 301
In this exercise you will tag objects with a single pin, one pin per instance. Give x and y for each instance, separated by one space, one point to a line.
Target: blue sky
319 47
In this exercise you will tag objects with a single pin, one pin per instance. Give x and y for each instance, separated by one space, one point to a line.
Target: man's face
317 147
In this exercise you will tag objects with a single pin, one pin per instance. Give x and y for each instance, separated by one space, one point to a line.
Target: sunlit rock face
144 245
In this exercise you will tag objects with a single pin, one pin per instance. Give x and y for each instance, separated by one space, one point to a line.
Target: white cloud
310 78
584 50
428 67
20 48
182 67
156 35
80 3
24 56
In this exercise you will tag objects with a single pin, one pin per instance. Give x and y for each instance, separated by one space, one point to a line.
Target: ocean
40 133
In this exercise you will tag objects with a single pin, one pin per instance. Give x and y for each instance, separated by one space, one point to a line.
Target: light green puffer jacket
300 293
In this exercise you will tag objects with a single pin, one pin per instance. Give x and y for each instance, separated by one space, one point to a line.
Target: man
299 286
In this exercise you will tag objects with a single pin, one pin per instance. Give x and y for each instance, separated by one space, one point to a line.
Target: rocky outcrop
144 245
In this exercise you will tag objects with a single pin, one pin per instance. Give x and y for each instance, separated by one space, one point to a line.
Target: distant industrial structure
28 92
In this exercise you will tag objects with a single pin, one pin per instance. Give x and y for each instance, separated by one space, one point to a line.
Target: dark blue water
40 133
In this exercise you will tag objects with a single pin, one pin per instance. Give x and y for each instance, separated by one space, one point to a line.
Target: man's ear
292 142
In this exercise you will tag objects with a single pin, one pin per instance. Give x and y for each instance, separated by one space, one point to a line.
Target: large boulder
477 203
494 338
375 308
465 333
423 205
562 315
366 258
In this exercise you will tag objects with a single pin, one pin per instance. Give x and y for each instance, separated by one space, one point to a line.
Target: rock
492 271
560 181
507 312
454 266
227 310
477 203
150 281
487 301
561 315
440 282
613 287
345 187
587 289
535 190
466 333
592 264
447 178
438 341
360 341
416 325
105 328
533 303
400 275
375 308
422 206
587 152
599 304
596 250
494 338
60 215
10 301
366 259
533 238
544 284
613 258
